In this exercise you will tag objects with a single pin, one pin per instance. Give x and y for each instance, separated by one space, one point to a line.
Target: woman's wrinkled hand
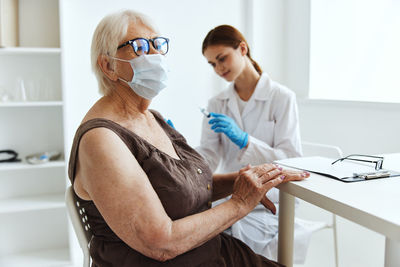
288 175
254 182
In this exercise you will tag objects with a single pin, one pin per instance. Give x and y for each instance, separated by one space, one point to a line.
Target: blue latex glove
169 122
225 124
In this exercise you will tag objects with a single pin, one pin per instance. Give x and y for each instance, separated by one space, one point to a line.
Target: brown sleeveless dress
184 188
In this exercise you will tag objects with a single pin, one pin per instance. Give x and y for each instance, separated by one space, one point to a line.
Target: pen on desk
372 175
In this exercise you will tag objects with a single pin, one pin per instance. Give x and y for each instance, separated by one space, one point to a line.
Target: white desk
374 204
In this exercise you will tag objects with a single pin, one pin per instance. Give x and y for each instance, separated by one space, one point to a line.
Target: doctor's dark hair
229 36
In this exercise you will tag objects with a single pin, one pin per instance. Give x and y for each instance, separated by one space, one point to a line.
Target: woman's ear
243 48
107 68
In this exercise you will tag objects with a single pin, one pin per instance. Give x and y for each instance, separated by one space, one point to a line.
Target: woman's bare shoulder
100 109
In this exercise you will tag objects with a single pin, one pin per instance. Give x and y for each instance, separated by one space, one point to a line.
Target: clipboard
344 171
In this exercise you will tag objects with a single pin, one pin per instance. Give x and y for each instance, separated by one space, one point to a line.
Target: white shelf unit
45 258
34 227
31 104
21 204
29 50
26 166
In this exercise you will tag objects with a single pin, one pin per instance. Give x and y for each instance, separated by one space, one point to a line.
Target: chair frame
80 224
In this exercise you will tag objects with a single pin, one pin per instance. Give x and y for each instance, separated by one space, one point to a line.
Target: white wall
268 37
355 127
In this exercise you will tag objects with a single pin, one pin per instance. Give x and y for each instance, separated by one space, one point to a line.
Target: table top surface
374 204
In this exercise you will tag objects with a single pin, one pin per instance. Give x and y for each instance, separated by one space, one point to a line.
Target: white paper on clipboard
342 170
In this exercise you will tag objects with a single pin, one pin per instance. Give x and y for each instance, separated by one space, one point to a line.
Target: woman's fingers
273 182
254 182
268 204
272 174
217 115
220 130
295 175
266 172
264 168
218 119
245 168
220 125
212 121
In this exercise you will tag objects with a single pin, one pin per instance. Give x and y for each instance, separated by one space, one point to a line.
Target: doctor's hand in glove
169 122
225 124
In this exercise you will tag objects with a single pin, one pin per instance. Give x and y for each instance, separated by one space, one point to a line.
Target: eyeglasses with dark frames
378 160
141 46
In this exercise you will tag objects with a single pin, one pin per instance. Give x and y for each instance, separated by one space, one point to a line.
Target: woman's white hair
109 33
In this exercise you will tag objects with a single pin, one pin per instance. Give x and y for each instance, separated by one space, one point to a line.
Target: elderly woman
147 194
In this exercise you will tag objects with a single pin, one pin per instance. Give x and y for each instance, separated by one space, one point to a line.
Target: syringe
205 112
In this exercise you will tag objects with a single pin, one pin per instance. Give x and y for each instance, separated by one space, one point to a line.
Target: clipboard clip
372 175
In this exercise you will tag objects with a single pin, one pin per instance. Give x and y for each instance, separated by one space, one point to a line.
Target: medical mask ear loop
119 78
124 60
120 59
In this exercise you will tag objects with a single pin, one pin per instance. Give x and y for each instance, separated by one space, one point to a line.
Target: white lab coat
270 118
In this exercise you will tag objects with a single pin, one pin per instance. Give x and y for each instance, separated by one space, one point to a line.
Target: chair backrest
314 149
80 223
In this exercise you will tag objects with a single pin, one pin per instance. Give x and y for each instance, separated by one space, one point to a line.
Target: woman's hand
289 176
253 183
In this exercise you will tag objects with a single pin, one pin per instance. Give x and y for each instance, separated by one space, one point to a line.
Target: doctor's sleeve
210 145
286 141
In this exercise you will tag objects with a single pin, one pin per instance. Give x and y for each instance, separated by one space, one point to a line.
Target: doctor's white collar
260 93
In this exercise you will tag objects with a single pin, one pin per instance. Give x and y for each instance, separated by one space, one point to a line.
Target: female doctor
253 121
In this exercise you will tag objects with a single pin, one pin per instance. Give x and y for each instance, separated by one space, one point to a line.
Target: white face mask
149 75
